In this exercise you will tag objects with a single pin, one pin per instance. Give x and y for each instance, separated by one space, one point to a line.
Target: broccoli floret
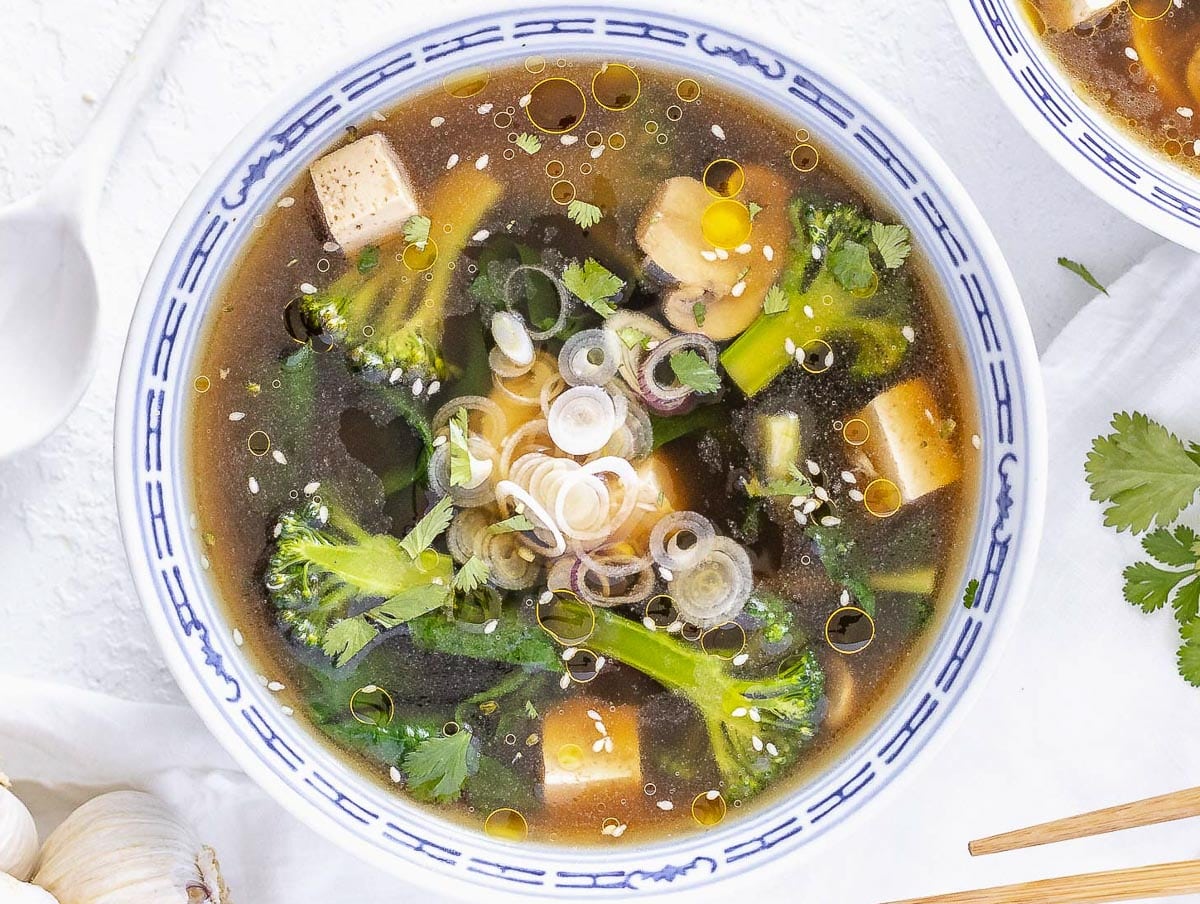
774 613
756 726
833 292
323 563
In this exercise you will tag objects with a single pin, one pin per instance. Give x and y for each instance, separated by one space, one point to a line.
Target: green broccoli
775 615
831 289
756 726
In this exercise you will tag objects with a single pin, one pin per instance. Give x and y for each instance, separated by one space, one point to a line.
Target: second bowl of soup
579 451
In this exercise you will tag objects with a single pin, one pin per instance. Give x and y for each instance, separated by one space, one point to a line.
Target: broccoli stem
374 565
758 356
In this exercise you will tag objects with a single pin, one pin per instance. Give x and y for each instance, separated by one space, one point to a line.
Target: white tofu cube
906 444
365 192
1062 15
584 766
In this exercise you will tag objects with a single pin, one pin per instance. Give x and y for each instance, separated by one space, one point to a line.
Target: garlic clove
128 848
18 834
13 891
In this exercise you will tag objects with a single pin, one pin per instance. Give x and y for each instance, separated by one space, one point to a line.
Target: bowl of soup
579 451
1111 89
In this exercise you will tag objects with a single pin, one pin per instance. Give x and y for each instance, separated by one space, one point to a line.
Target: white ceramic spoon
48 293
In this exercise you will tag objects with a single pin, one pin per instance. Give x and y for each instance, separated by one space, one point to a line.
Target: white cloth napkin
1084 710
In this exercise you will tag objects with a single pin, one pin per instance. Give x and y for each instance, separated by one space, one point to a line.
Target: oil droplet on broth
555 169
688 90
417 258
725 223
805 158
506 824
1149 9
570 757
616 87
372 705
616 141
466 83
708 808
849 630
202 383
882 498
556 105
661 611
818 356
563 191
724 641
259 443
566 618
583 666
856 431
535 65
724 178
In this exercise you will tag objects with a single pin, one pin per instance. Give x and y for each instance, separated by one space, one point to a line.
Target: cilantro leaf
1150 587
368 259
632 337
593 284
460 453
692 370
510 525
1143 471
775 301
346 638
530 144
429 528
850 264
1189 654
970 593
416 230
699 312
473 573
755 209
891 241
1172 548
1083 273
438 767
795 484
583 214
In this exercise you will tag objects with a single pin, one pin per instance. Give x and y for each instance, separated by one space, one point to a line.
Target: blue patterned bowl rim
1143 185
154 493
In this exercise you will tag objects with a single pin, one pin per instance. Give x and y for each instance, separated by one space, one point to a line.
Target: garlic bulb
128 848
18 835
14 892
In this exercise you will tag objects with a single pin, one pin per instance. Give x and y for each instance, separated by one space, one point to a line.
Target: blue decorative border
155 495
1163 197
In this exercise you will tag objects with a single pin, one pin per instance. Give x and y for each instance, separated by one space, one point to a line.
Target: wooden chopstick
1162 880
1152 810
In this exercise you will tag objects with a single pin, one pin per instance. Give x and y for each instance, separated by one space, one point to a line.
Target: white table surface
67 605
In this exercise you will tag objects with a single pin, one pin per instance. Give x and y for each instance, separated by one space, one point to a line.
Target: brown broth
241 357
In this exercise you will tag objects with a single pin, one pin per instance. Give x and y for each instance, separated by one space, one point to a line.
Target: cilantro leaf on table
1150 587
438 767
692 370
1083 273
593 284
1188 658
1144 472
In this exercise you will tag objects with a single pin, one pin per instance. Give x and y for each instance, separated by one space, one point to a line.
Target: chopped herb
632 337
850 264
460 452
775 301
1083 273
699 312
795 484
346 638
416 230
473 573
438 767
692 370
971 591
429 528
368 259
530 144
745 272
593 284
583 214
755 210
1144 473
891 241
517 522
530 710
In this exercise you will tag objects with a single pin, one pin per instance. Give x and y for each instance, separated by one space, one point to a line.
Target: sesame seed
713 794
569 653
754 716
568 140
438 121
377 116
718 132
608 745
808 312
813 468
594 716
285 202
323 514
772 749
452 161
1185 112
739 712
600 661
287 710
909 333
811 506
708 255
418 386
665 805
484 109
821 493
253 485
491 626
238 638
1131 53
279 457
619 830
480 236
395 775
797 501
649 623
597 151
789 346
849 477
275 686
433 388
524 101
666 573
744 248
597 745
768 252
856 495
600 727
331 247
481 162
546 597
396 375
801 518
756 743
311 488
976 441
308 288
565 681
738 288
845 598
830 521
236 415
722 254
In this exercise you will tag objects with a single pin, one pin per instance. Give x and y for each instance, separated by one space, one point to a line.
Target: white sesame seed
377 116
801 518
323 514
594 716
976 441
756 743
396 375
262 679
277 531
308 288
1185 112
481 162
811 506
830 521
909 333
744 248
849 477
439 582
718 132
856 495
813 468
395 775
418 386
619 830
236 415
821 493
285 202
789 346
452 161
491 626
438 121
713 794
768 252
649 623
331 247
569 653
845 598
600 661
434 387
808 312
1131 53
607 829
484 109
708 255
797 501
741 659
275 686
722 254
754 716
287 710
608 745
600 727
311 488
568 140
480 236
524 101
666 573
772 749
546 597
565 681
738 288
597 745
665 805
279 457
238 637
828 359
597 151
739 712
253 485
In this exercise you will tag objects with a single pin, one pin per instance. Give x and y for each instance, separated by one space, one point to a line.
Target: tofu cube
365 192
906 444
1063 15
576 772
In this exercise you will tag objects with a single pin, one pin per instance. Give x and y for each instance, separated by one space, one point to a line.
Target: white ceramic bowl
1145 186
154 486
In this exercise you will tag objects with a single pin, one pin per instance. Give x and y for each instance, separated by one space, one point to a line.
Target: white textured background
67 606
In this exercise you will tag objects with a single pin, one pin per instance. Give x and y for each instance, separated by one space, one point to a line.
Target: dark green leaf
1083 273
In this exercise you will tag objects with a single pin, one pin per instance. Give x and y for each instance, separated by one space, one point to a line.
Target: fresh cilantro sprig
347 638
471 576
775 301
692 370
593 284
1083 273
416 230
795 484
460 452
439 766
429 528
530 144
583 214
517 522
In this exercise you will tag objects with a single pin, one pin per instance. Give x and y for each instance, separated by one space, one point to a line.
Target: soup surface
1138 60
579 450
